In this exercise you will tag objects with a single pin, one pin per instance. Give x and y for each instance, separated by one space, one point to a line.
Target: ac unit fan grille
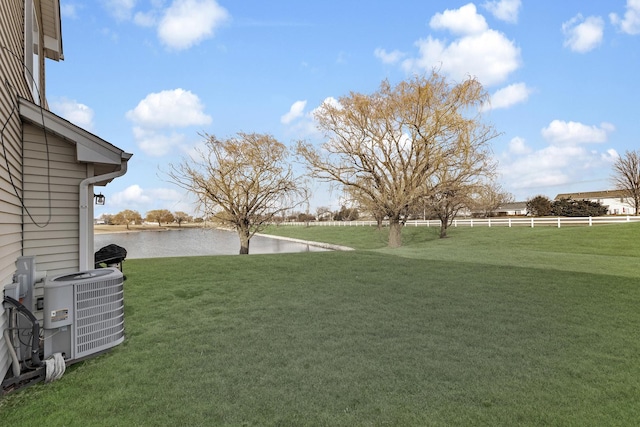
99 316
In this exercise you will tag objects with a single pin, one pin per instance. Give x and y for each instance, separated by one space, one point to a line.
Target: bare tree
488 197
181 217
460 173
107 218
445 200
363 200
127 217
323 213
245 180
387 145
160 216
626 176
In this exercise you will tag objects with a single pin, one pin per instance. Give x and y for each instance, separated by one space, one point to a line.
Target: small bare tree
323 213
626 176
127 217
246 181
488 198
181 217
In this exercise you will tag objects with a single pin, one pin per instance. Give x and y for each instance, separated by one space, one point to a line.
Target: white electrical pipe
86 238
15 365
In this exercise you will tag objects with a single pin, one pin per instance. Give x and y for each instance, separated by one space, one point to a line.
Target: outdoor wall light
99 199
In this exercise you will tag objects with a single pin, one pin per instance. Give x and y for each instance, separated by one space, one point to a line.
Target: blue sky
150 76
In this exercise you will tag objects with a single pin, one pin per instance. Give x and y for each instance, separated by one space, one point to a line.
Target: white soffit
89 147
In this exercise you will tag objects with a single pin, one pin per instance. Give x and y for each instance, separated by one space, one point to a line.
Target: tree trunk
395 233
244 241
443 229
379 220
444 225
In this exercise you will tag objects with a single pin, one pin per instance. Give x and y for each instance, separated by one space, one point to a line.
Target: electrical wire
34 346
15 108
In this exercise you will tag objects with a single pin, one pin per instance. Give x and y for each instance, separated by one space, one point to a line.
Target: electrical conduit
86 238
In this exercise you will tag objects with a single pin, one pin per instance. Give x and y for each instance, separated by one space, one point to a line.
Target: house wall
52 177
617 206
11 69
12 84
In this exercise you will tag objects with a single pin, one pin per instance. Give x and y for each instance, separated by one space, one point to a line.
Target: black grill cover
110 254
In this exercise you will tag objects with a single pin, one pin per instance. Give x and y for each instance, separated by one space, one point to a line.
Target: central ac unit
83 313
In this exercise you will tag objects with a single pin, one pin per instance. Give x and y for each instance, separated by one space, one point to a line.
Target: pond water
194 242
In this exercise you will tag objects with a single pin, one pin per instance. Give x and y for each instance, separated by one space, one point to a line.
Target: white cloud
465 20
518 146
173 109
164 194
77 113
506 97
296 110
155 143
526 171
145 19
304 125
132 195
188 22
583 35
388 57
611 155
479 51
169 108
489 56
184 23
330 100
572 133
542 168
120 9
630 24
505 10
143 200
563 163
69 10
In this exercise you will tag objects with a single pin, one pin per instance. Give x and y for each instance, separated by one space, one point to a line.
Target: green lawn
488 327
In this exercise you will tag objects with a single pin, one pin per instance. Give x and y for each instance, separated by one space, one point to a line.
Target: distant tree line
161 216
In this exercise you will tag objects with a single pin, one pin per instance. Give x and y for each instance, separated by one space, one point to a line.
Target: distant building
616 201
512 209
505 209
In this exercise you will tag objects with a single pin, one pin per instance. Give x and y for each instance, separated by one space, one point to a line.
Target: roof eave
89 147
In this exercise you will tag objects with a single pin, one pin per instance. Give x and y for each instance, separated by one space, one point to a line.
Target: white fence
487 222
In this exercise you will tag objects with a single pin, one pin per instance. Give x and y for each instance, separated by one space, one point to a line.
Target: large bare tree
387 146
245 181
626 176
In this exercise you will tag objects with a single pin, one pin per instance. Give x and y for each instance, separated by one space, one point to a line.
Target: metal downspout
86 252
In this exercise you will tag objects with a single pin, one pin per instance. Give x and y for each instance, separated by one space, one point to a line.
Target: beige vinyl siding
13 83
11 69
51 194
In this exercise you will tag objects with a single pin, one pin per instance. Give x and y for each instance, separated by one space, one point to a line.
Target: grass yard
488 327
